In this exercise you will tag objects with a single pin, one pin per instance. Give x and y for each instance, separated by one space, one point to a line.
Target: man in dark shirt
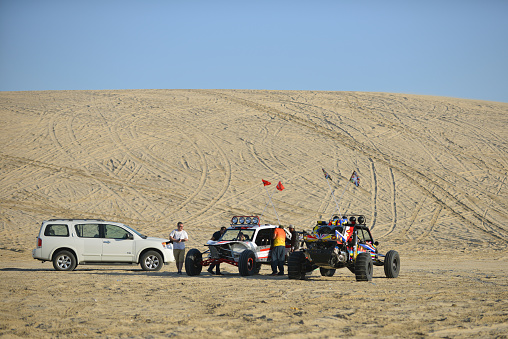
294 239
216 236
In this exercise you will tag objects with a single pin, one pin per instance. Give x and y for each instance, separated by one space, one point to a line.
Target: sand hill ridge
433 170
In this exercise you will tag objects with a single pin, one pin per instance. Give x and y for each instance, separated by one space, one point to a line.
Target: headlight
255 220
241 220
247 220
234 220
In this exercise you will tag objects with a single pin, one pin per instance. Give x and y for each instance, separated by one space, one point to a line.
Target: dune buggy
245 244
342 242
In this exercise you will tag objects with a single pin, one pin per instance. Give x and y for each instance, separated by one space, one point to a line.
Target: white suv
69 242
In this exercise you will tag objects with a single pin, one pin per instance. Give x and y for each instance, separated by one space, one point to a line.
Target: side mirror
376 243
130 236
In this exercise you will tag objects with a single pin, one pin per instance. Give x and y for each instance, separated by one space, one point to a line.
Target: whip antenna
327 176
280 187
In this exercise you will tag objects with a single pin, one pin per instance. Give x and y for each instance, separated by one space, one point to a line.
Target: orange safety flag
279 186
266 183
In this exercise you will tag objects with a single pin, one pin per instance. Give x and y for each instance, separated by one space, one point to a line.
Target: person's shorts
278 253
179 255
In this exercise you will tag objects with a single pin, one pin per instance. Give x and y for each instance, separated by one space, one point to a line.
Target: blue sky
454 48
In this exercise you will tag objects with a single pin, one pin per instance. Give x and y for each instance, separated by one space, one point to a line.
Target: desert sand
433 187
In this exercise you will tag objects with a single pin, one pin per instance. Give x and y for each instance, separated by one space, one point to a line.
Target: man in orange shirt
278 249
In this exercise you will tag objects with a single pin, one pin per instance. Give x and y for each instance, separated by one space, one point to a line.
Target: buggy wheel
363 267
325 272
193 262
247 263
392 264
296 263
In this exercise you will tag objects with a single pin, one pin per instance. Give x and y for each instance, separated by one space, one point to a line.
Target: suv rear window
87 230
56 230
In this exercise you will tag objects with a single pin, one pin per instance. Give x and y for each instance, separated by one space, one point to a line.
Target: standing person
278 249
294 239
216 236
179 236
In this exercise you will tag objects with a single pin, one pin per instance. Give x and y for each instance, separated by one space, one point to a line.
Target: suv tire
247 263
64 261
151 261
193 262
296 269
364 267
326 272
392 264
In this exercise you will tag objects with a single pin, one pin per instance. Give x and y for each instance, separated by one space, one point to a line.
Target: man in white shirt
179 236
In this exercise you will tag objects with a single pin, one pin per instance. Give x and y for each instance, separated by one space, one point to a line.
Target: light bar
242 220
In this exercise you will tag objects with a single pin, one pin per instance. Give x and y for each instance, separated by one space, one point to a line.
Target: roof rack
73 219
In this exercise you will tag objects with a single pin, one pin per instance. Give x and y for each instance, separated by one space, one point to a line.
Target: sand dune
433 186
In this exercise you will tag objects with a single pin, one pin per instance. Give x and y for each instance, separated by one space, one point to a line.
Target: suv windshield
133 230
237 234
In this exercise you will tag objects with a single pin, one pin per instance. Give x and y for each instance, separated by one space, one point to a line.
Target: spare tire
392 264
296 269
193 262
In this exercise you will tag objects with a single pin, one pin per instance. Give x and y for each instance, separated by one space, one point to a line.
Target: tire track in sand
251 146
67 153
374 194
113 134
409 132
227 175
428 183
169 211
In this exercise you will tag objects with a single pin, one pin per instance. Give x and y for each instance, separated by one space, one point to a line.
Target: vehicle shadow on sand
17 269
204 275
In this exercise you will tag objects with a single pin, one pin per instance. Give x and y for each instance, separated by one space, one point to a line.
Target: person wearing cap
294 239
215 237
